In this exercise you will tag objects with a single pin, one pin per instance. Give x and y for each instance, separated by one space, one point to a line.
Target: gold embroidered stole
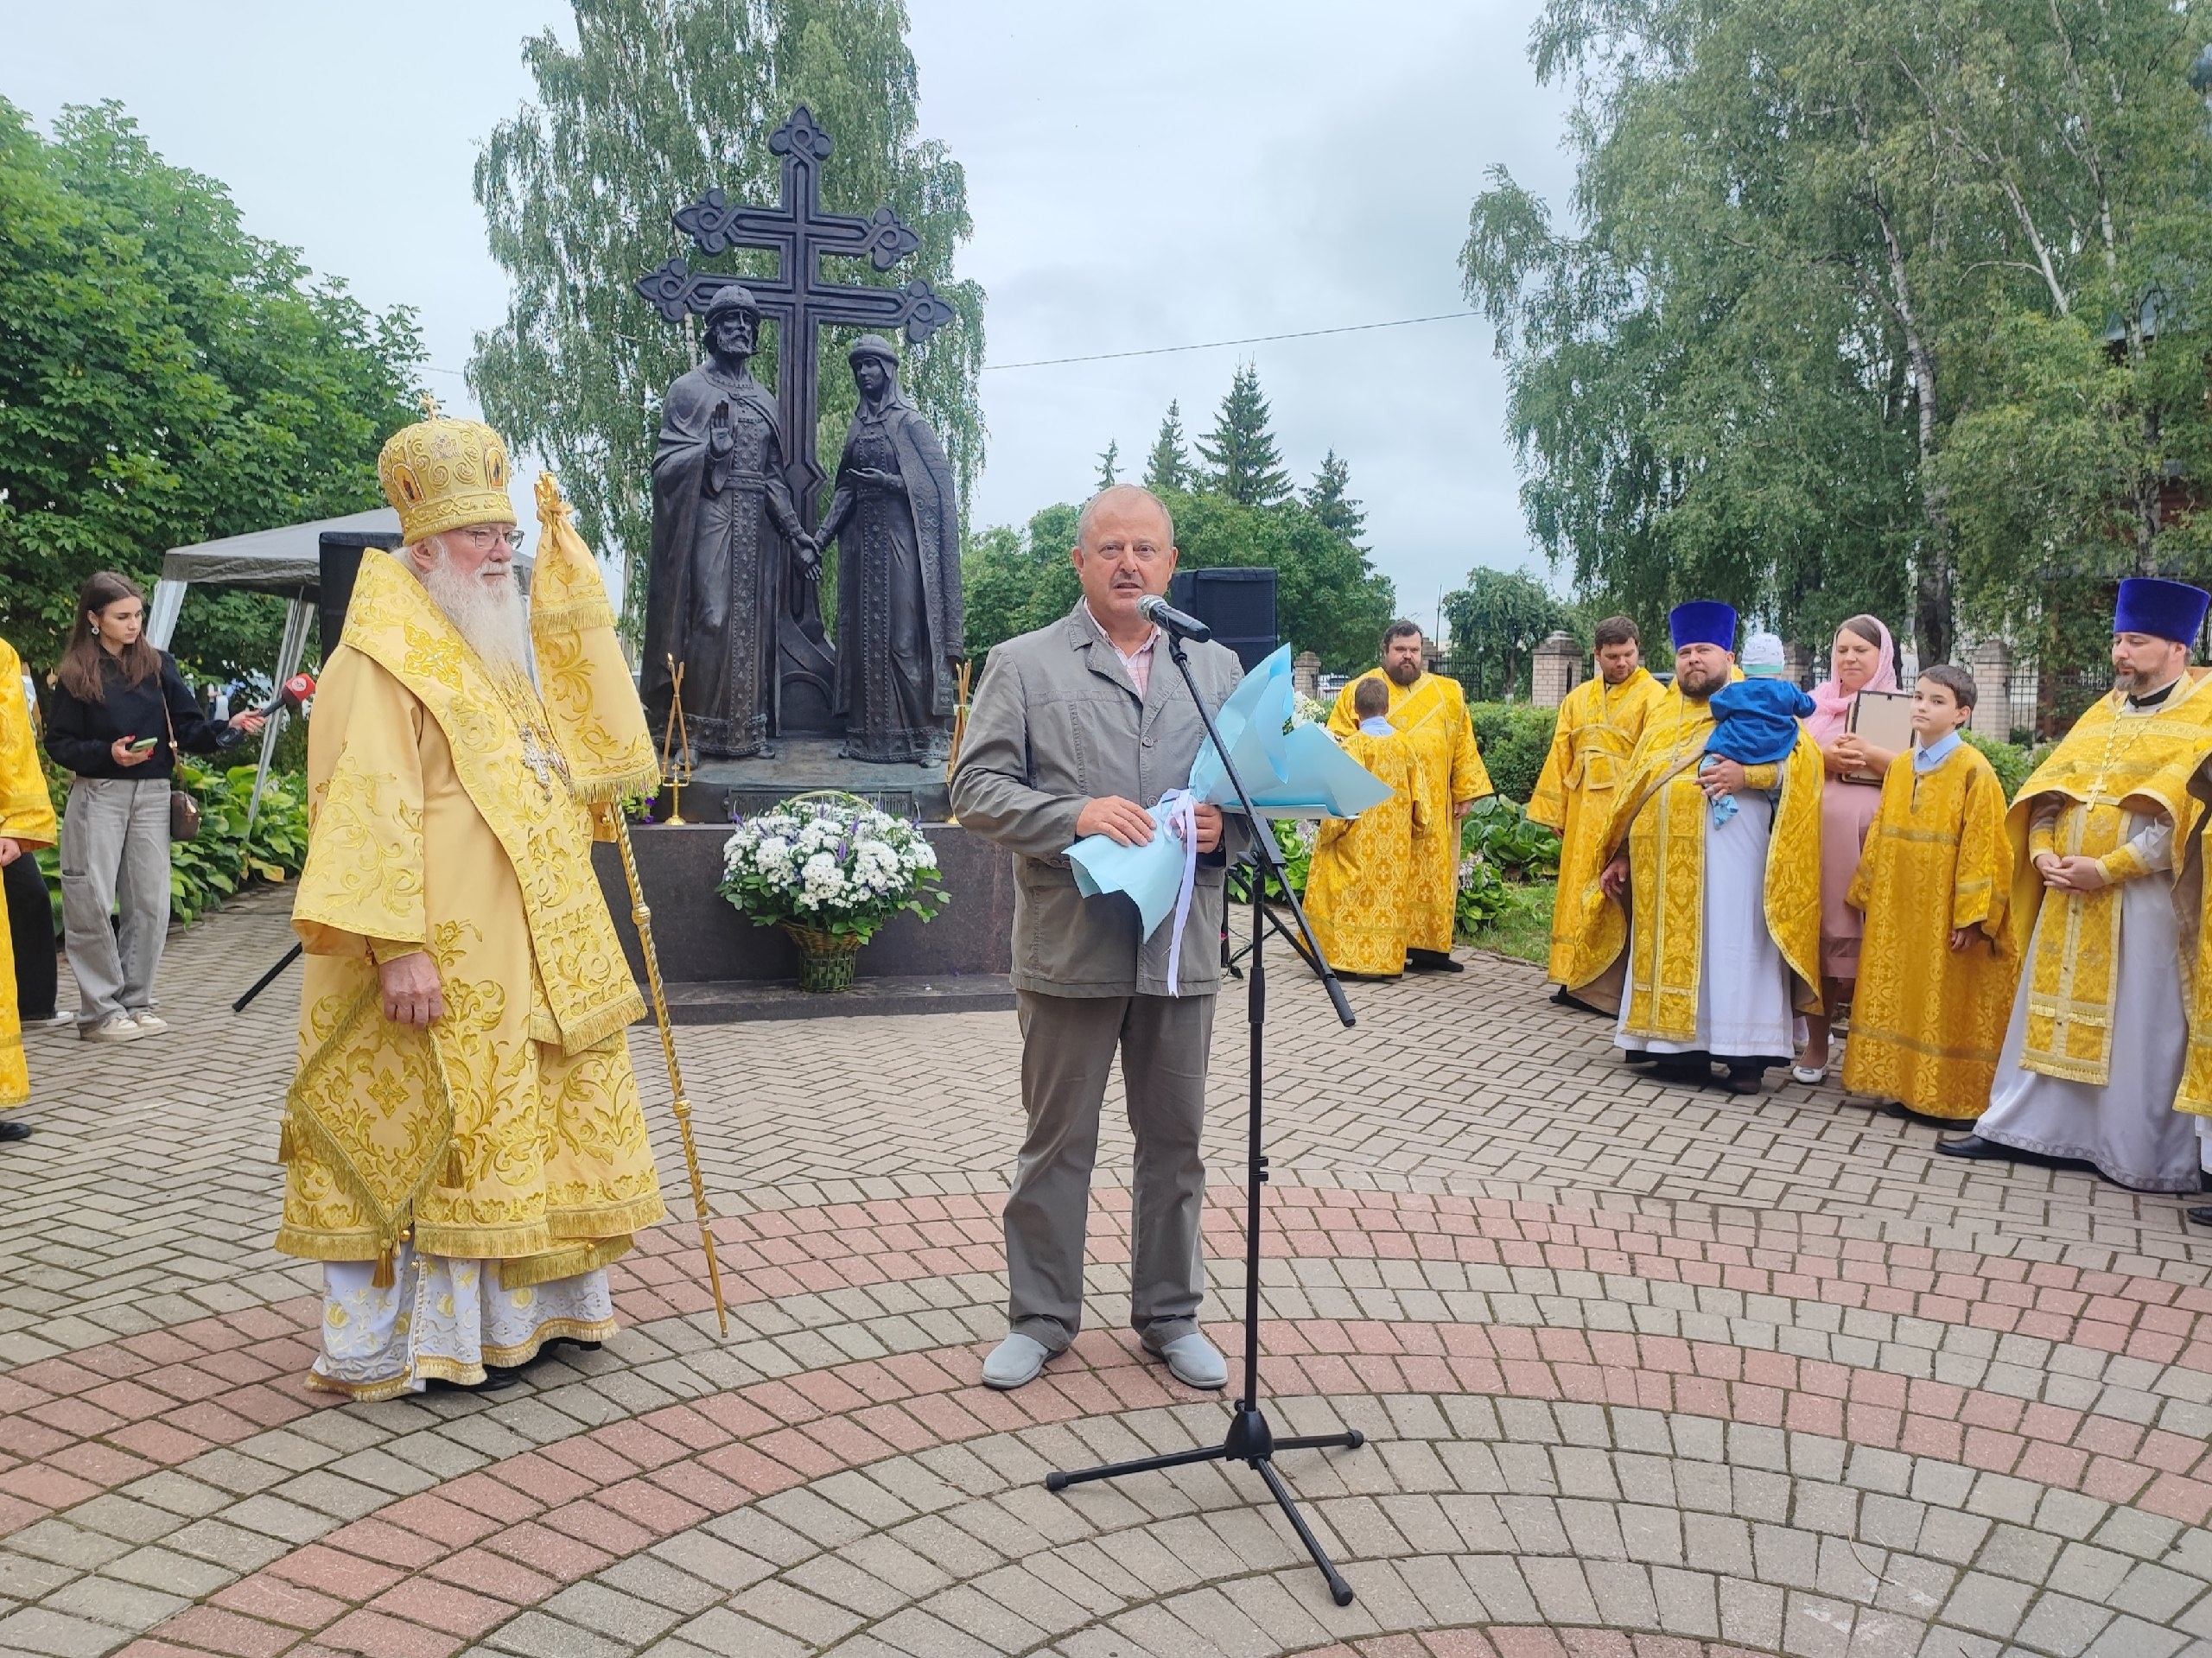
545 831
2111 764
1600 746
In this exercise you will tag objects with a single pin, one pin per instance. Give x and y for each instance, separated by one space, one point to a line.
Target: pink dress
1847 809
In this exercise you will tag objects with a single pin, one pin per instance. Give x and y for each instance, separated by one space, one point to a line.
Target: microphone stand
1250 1440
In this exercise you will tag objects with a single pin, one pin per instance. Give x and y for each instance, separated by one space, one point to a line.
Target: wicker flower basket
825 960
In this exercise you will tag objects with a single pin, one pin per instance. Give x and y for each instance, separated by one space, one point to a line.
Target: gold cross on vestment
543 761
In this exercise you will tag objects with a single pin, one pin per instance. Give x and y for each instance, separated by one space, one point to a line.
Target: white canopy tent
286 561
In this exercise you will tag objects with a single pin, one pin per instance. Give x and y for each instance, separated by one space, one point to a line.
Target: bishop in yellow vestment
1722 923
1927 1017
463 1144
26 823
1359 893
1591 745
1430 713
2096 1048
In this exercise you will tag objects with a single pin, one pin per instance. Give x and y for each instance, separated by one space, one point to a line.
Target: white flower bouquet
831 865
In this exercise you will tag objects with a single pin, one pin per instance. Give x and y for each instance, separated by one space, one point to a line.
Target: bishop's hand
720 439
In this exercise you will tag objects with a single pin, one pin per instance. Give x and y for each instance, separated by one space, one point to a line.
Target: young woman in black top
117 715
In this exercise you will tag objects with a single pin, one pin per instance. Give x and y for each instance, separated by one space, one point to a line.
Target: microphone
1157 611
290 694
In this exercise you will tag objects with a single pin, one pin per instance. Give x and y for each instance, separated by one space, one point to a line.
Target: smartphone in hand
144 745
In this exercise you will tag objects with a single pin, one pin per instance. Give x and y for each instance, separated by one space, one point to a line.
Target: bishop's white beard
488 614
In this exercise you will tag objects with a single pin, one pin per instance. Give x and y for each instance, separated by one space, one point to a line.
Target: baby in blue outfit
1757 716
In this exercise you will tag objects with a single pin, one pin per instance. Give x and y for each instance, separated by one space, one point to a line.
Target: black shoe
1974 1145
1432 961
2202 1217
1745 1079
14 1130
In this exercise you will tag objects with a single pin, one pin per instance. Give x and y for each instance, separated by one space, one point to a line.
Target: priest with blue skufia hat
2097 1054
1716 914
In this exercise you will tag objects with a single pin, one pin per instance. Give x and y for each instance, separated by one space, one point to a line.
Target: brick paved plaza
1645 1374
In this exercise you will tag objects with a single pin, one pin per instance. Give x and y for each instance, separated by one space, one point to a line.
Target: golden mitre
442 474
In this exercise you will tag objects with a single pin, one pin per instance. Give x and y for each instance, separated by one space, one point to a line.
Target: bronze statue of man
898 530
724 531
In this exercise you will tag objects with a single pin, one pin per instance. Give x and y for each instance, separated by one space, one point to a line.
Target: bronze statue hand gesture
810 557
876 477
719 442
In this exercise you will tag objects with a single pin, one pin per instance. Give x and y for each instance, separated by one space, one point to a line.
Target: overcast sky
1142 173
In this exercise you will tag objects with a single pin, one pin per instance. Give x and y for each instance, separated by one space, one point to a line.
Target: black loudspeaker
340 552
1238 602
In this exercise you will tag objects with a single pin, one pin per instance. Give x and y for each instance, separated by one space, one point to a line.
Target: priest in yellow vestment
1430 713
463 1145
1936 969
1599 724
2102 834
26 824
1719 865
1359 890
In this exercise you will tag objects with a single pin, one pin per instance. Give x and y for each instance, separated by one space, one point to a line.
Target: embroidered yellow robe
2109 765
1359 890
26 817
1575 793
1431 714
511 1130
1660 819
1926 1020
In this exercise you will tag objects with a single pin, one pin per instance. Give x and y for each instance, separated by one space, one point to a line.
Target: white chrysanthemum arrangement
840 866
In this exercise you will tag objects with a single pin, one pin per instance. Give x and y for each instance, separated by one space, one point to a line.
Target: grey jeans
1068 1045
115 855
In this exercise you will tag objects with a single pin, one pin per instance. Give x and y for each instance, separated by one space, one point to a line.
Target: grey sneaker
1196 1363
148 1022
115 1027
1014 1361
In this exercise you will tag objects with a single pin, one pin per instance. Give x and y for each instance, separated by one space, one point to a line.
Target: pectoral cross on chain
543 761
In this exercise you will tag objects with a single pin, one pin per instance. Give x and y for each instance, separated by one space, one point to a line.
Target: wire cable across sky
1249 340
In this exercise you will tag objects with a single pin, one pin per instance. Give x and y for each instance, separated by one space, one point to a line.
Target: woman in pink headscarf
1863 658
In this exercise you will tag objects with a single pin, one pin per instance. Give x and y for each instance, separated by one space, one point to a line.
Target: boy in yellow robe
1430 712
26 824
1599 724
1936 976
463 1145
1358 890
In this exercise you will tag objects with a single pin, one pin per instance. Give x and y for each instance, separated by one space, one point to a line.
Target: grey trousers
115 854
1068 1045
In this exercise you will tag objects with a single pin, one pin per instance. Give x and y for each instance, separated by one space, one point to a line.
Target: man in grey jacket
1076 730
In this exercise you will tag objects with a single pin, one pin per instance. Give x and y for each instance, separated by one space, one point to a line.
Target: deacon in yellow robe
1936 970
1359 890
1722 923
1429 712
463 1144
2102 834
1599 724
26 824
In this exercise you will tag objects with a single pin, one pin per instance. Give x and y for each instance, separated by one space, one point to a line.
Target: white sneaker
1014 1361
115 1027
148 1022
1196 1363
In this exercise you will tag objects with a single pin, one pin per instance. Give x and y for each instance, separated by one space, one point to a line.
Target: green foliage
1329 598
2010 761
1869 305
1519 926
1294 839
1497 831
1168 467
1110 460
1240 452
166 378
1514 738
1014 582
1495 624
1327 500
215 867
659 100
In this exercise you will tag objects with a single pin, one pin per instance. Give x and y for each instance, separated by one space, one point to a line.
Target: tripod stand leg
1339 1590
1351 1439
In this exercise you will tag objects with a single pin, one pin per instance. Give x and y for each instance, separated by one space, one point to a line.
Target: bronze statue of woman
897 531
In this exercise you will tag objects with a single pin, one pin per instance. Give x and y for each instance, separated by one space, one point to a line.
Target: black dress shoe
2202 1216
1974 1145
1432 961
14 1130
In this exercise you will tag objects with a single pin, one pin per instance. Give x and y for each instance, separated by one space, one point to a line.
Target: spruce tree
1168 467
1108 459
1327 500
1240 452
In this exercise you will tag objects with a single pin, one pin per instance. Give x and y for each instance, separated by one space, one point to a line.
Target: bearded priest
1718 863
1430 712
463 1145
2105 917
